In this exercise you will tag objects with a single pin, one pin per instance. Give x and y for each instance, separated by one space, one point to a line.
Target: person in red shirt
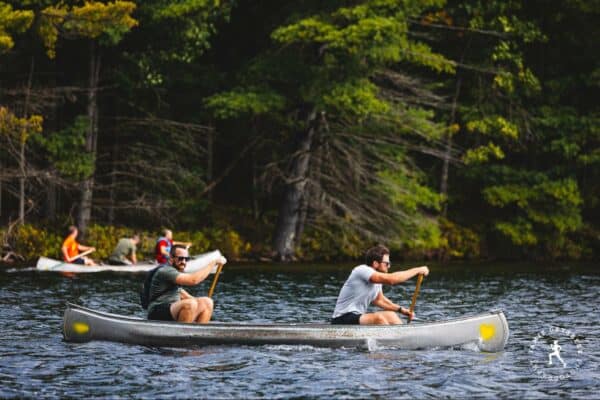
164 245
70 249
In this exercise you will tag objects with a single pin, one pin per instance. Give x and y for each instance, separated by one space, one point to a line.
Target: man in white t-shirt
363 288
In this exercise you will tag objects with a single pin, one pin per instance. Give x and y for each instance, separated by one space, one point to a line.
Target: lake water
541 306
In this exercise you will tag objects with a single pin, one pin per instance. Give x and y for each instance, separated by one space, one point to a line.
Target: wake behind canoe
488 331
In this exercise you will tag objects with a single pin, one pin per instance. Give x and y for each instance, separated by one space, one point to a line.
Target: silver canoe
49 264
488 331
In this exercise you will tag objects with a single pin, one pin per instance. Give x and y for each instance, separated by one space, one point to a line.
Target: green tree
102 24
525 198
17 21
320 87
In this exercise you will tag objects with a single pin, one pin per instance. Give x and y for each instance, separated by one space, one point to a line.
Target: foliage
17 21
105 238
459 242
553 206
319 243
94 20
202 106
19 128
66 150
30 242
244 102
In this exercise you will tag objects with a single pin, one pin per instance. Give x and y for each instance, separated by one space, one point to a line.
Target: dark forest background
459 129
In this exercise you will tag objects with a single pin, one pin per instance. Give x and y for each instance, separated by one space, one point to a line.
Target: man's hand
222 260
406 311
424 270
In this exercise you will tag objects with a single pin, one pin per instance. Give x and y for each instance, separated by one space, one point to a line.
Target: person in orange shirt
70 249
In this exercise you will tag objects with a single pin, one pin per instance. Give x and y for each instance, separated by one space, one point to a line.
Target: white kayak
49 264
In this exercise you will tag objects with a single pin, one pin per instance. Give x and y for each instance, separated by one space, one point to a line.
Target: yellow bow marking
81 328
487 331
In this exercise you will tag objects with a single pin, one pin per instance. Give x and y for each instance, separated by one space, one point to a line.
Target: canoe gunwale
124 318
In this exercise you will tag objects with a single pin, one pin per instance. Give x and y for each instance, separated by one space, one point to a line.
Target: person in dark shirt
168 301
124 252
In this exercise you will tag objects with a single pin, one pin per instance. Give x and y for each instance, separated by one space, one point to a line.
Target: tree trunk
87 186
255 209
209 161
448 151
22 161
22 183
291 206
51 201
302 214
113 184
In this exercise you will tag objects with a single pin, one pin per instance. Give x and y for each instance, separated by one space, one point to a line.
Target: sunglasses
182 258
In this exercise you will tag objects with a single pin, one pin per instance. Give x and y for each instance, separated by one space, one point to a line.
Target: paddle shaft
414 298
85 253
214 282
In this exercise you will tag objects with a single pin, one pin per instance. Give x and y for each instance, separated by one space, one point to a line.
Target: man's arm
82 248
186 244
383 302
133 256
388 305
397 277
194 278
65 254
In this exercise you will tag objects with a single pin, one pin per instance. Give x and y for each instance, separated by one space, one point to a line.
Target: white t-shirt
357 293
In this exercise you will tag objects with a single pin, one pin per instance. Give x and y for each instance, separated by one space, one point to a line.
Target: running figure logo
544 349
556 353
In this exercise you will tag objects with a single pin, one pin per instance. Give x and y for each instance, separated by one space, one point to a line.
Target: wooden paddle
85 253
214 282
414 298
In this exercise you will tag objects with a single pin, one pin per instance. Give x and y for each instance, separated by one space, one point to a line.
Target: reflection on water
35 362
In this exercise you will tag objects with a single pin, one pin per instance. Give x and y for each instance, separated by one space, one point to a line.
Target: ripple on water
35 362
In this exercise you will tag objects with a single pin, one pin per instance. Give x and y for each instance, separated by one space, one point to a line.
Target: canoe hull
49 264
488 331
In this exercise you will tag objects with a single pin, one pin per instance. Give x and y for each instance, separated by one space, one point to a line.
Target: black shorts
347 319
161 312
80 261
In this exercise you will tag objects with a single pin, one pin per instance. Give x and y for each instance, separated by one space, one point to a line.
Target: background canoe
49 264
488 331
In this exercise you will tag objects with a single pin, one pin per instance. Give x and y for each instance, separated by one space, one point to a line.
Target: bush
104 238
459 242
321 244
31 242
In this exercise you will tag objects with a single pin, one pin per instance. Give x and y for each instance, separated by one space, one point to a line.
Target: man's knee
205 303
189 306
392 318
380 319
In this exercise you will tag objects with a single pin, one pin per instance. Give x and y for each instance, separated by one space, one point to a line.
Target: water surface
36 362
